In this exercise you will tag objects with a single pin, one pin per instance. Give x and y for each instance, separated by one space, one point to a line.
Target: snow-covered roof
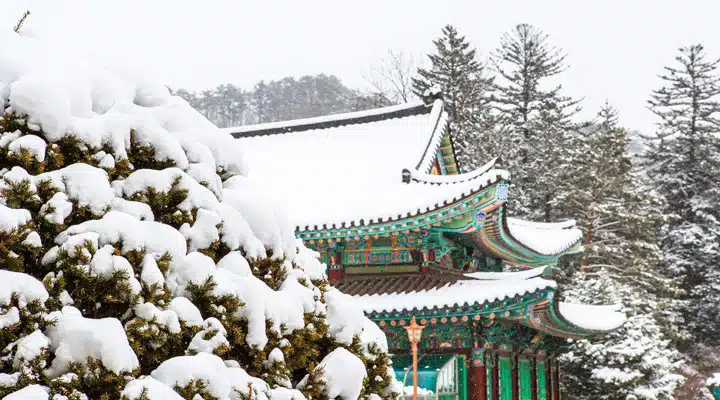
545 238
495 276
349 168
479 288
470 291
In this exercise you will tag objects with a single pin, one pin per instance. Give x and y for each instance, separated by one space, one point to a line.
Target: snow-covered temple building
378 194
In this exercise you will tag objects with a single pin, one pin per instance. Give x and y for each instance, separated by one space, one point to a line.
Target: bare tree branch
392 77
21 22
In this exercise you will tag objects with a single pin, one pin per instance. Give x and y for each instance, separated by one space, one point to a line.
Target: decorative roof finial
406 175
548 272
498 162
431 94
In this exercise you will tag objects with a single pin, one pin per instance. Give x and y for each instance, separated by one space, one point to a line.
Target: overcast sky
615 48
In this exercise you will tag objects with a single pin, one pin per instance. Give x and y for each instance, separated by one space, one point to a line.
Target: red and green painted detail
715 390
440 216
479 220
535 310
496 239
509 308
446 155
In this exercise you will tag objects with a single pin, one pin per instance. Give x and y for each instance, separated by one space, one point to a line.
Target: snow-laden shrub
137 261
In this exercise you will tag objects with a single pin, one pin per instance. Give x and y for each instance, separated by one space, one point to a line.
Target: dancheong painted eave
527 297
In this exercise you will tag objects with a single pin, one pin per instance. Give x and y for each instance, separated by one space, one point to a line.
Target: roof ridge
331 121
431 150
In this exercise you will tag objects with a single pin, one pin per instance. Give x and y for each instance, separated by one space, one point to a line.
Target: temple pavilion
379 195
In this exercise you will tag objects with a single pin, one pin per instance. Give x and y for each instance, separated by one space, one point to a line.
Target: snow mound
714 380
344 374
137 257
74 338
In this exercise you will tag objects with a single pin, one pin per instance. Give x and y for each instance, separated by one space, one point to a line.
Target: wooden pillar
495 376
556 378
508 386
336 270
552 376
515 378
478 375
527 378
533 376
548 378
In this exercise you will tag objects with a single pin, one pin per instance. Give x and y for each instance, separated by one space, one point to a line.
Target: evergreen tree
683 161
620 264
466 90
637 361
131 266
538 119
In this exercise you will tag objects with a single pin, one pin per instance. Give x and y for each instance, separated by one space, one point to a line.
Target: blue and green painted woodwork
542 378
505 365
473 237
490 364
449 216
463 376
447 162
525 377
715 390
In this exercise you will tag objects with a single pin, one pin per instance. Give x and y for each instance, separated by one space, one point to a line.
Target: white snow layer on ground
64 95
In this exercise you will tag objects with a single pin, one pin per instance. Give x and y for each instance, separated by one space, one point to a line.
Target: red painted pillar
478 375
515 381
428 256
533 378
337 271
548 379
556 378
495 373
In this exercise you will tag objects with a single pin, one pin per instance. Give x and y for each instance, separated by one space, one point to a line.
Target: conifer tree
131 268
683 161
621 263
537 118
466 90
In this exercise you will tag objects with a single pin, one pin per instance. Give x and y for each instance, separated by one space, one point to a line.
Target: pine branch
21 22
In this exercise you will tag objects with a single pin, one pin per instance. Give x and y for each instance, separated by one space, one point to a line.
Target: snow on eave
518 275
570 223
481 184
546 238
335 119
592 318
440 117
465 292
484 171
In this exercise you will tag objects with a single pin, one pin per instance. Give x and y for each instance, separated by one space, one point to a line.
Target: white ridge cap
318 120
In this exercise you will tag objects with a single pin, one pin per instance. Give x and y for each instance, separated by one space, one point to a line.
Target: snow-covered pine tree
138 262
621 264
466 90
683 161
537 117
